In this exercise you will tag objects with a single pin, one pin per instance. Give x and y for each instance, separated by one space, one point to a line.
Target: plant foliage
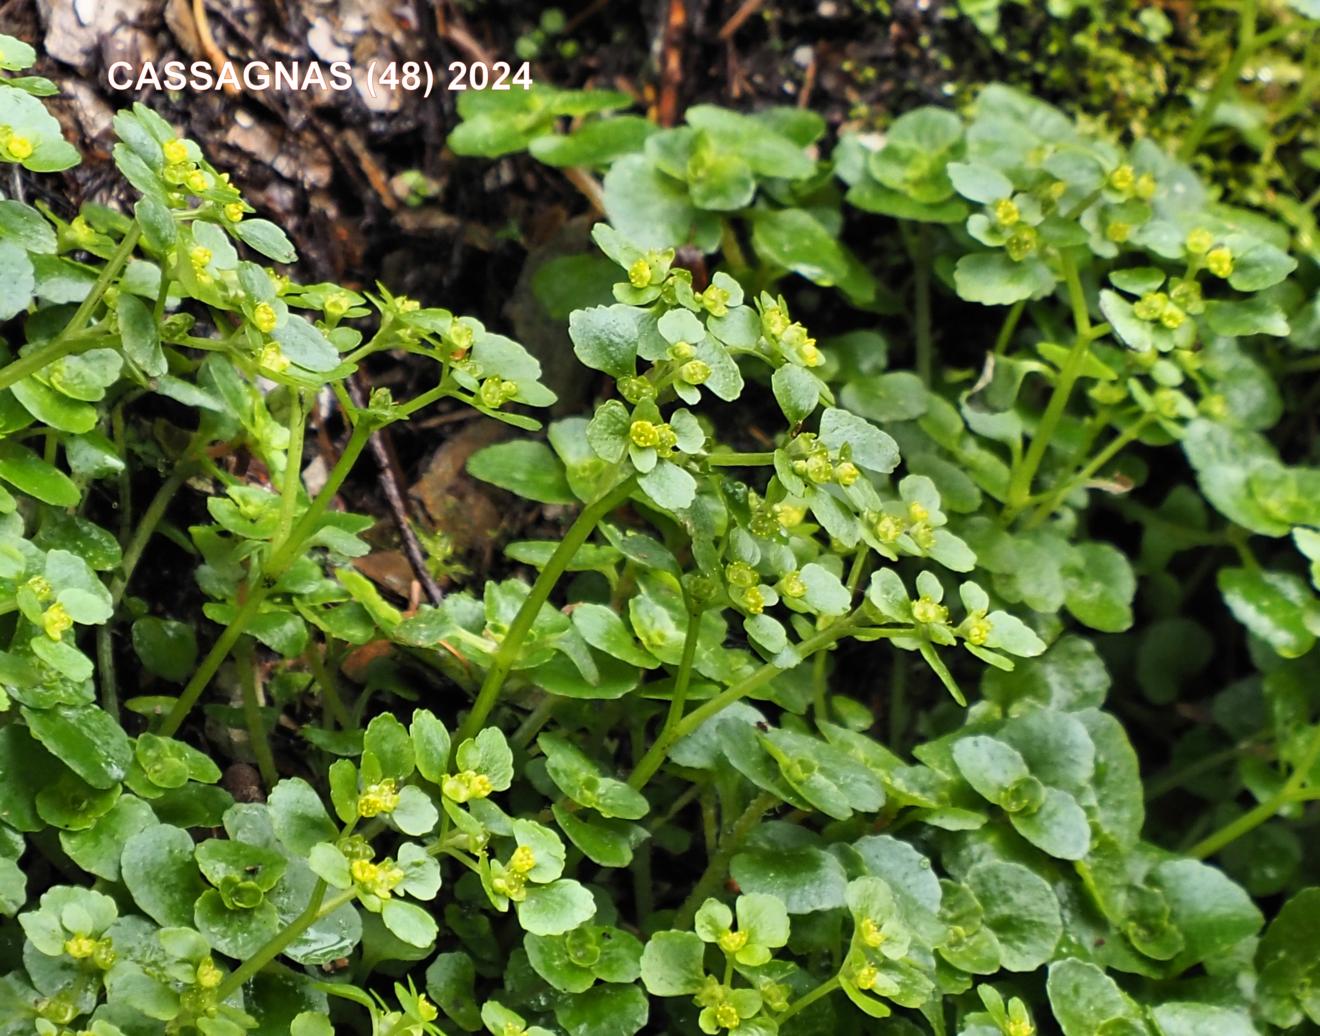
664 802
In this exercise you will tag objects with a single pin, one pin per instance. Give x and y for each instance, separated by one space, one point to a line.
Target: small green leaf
605 338
268 239
672 963
555 908
993 279
1100 587
17 280
669 486
607 1010
525 467
25 471
158 868
167 648
409 922
451 983
1022 911
86 739
1278 607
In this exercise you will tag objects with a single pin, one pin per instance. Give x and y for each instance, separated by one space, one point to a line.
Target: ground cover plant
826 705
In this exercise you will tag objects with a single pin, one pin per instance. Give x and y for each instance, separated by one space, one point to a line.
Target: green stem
43 356
427 398
858 569
105 670
925 342
67 340
819 702
733 459
263 581
511 647
285 553
117 261
807 999
258 738
1019 489
325 681
146 527
292 466
1309 363
1253 818
1246 44
1102 458
312 913
1009 326
1161 786
536 719
655 757
684 678
215 658
105 654
719 862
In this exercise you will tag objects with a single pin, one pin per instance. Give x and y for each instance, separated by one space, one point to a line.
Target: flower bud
1123 179
865 976
789 515
175 151
1021 245
792 585
716 300
1150 305
695 372
378 798
523 860
264 317
732 942
741 574
635 389
871 934
1199 241
56 621
338 304
889 528
924 610
19 147
233 212
1005 212
1219 261
639 273
819 469
644 435
978 631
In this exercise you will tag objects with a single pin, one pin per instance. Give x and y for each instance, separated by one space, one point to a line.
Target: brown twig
587 186
380 182
671 62
450 28
210 48
745 11
808 82
383 450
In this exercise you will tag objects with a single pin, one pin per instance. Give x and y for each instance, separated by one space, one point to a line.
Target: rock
77 29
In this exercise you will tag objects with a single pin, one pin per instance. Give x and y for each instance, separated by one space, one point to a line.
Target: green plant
665 800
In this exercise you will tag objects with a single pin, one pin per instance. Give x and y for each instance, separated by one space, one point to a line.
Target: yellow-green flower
1219 261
